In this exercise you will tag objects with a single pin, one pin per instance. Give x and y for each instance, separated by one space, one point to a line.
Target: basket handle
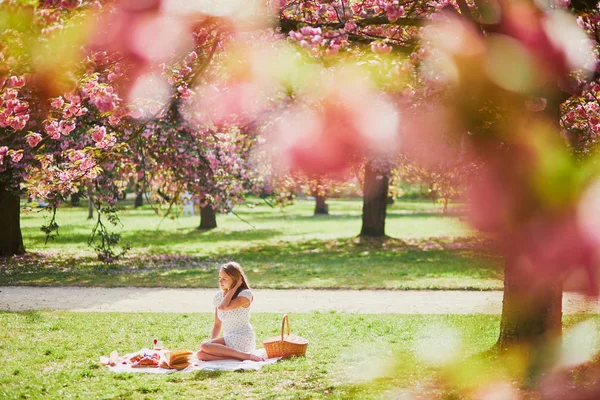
283 321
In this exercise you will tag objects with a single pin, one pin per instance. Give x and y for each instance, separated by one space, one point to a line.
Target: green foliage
104 241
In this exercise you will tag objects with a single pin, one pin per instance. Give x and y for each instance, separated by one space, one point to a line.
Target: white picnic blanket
197 365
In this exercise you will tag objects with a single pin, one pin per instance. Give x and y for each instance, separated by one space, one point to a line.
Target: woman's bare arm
216 330
228 303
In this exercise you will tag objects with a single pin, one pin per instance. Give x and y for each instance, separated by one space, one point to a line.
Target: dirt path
21 298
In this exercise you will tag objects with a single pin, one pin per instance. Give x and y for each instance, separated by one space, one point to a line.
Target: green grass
150 233
56 354
290 249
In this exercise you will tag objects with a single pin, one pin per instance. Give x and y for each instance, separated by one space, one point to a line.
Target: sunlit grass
257 224
288 249
56 355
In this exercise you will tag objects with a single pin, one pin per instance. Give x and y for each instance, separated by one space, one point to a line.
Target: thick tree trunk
208 218
139 199
531 318
531 311
75 200
375 201
11 240
321 208
532 305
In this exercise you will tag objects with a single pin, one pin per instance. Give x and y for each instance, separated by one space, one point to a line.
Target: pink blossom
73 98
87 164
16 156
52 130
21 108
15 81
104 102
296 35
136 113
332 49
76 155
19 123
3 151
310 31
114 119
66 127
381 48
10 94
34 139
184 91
350 26
106 143
394 12
81 111
57 102
191 57
147 134
317 39
11 104
98 133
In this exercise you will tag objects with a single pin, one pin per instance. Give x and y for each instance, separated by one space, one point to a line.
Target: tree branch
288 25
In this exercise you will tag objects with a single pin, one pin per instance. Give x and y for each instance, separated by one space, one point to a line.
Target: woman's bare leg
217 347
202 356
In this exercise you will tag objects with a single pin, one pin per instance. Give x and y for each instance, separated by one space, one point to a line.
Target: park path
173 300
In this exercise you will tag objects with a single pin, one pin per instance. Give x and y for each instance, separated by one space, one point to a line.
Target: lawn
279 249
56 354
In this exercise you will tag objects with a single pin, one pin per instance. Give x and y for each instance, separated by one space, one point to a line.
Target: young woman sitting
232 314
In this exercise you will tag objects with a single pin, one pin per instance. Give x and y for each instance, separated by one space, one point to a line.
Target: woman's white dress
237 331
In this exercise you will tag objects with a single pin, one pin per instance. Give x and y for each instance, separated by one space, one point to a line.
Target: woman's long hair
235 271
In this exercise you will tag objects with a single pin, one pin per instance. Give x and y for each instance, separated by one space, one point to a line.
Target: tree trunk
139 199
75 200
375 200
90 208
11 240
529 313
531 317
532 305
208 218
321 208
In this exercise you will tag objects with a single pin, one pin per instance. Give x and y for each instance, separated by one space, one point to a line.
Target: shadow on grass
206 374
356 216
148 238
437 263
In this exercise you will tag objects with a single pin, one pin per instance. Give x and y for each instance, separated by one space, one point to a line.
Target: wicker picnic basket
285 345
